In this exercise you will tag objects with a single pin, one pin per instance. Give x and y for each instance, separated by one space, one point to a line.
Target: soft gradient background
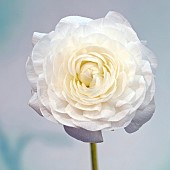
30 142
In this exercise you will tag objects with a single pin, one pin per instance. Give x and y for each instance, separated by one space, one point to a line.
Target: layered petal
76 20
37 37
31 75
117 18
141 117
84 135
35 103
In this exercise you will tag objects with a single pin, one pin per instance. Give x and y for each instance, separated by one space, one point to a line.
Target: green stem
93 148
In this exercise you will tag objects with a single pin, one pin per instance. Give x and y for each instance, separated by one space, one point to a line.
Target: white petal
84 135
117 18
40 52
126 97
56 103
116 31
120 115
42 91
35 103
63 119
135 49
149 55
36 37
46 113
67 26
141 117
123 122
147 72
89 107
139 86
76 20
149 95
121 84
32 76
107 111
75 113
138 50
94 115
92 125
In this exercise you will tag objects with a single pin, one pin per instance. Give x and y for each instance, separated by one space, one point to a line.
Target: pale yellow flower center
89 72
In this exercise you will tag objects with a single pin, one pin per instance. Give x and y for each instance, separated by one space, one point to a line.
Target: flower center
88 72
92 75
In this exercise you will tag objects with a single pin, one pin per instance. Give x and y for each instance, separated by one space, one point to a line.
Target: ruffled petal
76 20
92 125
149 95
56 103
75 113
117 18
42 89
68 25
149 55
84 135
37 36
62 118
47 114
32 76
141 117
138 50
40 52
35 103
116 31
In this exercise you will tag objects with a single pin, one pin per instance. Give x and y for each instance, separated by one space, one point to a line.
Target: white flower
91 75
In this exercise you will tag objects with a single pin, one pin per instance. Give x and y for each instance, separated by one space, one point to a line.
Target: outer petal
39 53
76 20
84 135
47 114
67 26
149 55
116 31
40 109
32 76
149 95
49 111
141 117
35 103
36 37
117 18
138 50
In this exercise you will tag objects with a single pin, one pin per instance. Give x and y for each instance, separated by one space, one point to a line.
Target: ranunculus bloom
90 75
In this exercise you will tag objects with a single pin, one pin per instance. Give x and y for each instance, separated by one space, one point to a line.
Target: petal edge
141 117
84 135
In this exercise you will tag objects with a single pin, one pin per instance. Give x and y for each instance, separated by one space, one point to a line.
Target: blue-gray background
29 142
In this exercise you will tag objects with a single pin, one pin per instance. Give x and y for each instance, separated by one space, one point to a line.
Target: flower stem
93 148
